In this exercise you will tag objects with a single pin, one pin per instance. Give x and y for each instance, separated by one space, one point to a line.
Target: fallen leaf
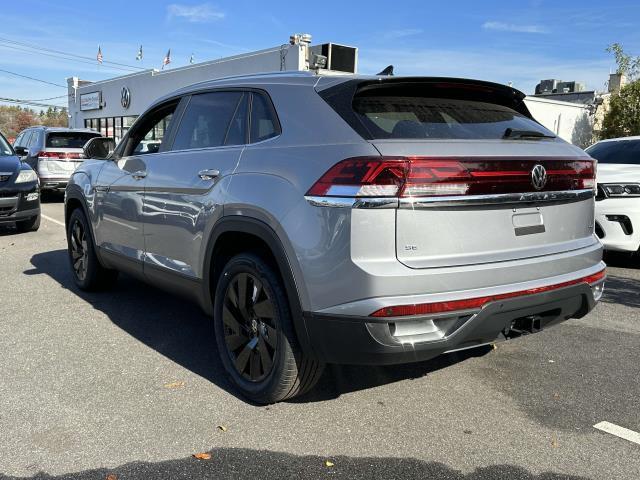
329 463
556 396
111 476
174 385
554 441
222 427
202 456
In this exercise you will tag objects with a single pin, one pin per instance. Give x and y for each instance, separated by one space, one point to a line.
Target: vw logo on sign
125 97
538 177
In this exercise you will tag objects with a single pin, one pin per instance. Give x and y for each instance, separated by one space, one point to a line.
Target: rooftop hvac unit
340 58
547 86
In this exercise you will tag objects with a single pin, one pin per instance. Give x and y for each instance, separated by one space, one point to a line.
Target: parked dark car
19 191
54 153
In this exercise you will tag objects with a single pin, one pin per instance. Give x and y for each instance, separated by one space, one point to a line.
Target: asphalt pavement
127 383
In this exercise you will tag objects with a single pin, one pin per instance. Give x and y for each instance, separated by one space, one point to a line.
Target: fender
75 192
252 226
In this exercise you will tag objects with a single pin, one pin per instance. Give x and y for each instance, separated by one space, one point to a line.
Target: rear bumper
379 341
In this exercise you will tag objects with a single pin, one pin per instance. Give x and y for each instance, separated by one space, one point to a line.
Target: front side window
212 120
149 134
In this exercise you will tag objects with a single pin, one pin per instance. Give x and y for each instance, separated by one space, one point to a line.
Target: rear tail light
479 302
61 155
451 176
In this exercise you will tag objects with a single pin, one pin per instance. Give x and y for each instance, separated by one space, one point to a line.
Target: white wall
569 121
147 86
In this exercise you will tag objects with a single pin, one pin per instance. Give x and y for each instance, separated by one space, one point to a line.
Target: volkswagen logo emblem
125 97
538 177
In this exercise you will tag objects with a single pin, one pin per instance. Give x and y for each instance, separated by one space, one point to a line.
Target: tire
257 343
88 273
30 225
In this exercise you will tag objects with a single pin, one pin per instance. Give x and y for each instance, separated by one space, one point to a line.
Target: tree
626 64
623 117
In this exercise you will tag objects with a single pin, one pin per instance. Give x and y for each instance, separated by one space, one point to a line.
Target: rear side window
263 121
411 117
212 120
69 139
623 151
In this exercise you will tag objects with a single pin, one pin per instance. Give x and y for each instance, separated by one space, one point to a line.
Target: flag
139 55
167 59
192 59
99 56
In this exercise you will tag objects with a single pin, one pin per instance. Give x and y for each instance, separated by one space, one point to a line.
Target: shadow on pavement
179 330
622 260
52 197
255 464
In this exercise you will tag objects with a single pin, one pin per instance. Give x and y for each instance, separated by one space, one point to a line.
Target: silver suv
53 153
343 219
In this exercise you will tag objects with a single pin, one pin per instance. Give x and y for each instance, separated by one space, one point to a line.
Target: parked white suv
618 198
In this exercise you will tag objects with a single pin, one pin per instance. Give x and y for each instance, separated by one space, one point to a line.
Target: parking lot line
619 431
53 220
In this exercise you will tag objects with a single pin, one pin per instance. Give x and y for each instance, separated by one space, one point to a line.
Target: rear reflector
479 302
61 155
453 176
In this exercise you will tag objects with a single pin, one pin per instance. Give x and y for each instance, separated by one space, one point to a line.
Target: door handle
139 175
209 174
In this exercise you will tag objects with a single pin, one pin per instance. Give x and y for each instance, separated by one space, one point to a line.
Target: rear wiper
515 134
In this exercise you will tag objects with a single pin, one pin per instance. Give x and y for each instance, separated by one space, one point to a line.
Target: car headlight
27 176
621 189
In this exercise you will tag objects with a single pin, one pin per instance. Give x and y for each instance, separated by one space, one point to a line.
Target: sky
519 42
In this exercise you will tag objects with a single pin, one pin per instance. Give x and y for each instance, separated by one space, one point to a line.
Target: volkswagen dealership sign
91 101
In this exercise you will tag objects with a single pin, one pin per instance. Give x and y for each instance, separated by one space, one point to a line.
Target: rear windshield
438 118
624 151
69 139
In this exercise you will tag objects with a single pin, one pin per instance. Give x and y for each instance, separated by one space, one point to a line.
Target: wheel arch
234 234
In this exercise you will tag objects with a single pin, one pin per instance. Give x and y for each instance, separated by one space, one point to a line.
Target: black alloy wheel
79 249
248 315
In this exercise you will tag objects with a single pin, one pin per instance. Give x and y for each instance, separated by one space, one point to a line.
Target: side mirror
21 151
99 148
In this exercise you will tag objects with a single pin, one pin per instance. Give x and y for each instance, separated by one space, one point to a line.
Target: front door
184 184
120 190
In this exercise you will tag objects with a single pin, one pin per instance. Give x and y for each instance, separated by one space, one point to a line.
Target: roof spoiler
340 96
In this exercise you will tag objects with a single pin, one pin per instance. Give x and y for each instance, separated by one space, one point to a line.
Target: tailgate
515 222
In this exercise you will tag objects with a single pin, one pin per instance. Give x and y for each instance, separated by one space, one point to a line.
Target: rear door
185 183
486 183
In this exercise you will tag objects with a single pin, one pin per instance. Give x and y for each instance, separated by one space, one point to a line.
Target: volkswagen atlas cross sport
343 219
54 153
618 197
19 191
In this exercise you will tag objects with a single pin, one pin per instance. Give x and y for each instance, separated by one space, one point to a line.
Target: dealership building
111 106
